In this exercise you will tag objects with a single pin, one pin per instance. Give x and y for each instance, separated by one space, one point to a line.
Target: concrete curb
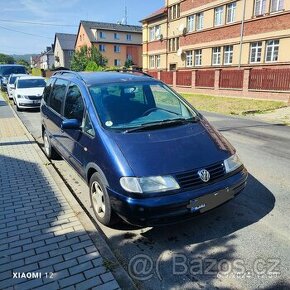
117 270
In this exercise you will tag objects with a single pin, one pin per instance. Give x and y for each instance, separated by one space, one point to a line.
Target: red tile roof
160 11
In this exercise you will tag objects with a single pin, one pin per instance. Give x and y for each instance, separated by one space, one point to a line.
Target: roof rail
129 71
62 72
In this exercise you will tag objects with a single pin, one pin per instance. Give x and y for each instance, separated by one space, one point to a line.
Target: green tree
84 56
6 59
128 63
92 66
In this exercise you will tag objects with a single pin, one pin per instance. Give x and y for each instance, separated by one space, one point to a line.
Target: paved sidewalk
43 244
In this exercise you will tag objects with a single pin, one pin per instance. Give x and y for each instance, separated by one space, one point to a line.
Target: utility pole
126 14
242 33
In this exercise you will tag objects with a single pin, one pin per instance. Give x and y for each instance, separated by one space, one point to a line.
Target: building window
199 21
218 16
189 61
216 56
277 5
174 12
272 50
154 33
102 34
116 36
157 61
117 48
173 44
190 23
152 61
129 37
117 62
102 47
228 54
231 12
260 7
197 57
129 57
256 52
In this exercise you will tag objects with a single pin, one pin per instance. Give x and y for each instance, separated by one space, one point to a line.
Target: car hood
175 149
30 91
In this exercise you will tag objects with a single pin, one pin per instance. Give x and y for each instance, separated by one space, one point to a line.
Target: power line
37 23
9 29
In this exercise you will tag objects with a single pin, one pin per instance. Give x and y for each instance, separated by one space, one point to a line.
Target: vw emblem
204 175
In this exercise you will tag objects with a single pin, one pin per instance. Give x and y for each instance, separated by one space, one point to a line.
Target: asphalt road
244 244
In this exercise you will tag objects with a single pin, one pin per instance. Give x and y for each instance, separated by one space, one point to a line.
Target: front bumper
177 207
28 104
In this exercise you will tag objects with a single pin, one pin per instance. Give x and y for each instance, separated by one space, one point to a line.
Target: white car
28 92
11 84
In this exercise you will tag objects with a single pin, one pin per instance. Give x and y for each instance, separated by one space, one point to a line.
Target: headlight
149 184
232 163
19 96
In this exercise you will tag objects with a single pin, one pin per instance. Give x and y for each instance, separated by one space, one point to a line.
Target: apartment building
117 42
199 35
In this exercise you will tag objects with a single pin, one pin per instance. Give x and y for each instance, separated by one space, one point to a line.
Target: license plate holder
209 201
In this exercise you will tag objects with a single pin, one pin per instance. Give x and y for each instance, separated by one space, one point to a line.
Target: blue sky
60 12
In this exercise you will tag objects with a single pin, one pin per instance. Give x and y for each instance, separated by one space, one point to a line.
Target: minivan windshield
125 106
31 83
13 69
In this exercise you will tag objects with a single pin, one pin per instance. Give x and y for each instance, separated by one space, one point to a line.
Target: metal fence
231 79
205 78
270 79
167 77
184 78
154 74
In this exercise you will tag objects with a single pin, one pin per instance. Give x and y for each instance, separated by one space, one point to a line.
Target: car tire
100 201
48 149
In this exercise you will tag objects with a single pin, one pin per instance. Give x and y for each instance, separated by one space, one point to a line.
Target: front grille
191 179
34 98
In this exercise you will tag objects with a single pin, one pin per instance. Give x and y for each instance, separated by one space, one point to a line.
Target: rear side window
58 94
74 105
47 90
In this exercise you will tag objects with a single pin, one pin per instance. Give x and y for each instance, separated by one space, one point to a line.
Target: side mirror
12 87
70 124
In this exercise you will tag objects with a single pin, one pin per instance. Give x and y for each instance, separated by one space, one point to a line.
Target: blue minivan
146 154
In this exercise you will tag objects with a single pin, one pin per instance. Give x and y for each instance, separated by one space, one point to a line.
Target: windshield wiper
160 124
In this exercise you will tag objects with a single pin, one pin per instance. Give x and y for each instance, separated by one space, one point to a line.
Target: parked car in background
146 154
28 92
11 84
6 70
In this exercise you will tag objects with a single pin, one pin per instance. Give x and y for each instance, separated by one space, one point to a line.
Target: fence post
174 79
217 79
193 80
246 80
